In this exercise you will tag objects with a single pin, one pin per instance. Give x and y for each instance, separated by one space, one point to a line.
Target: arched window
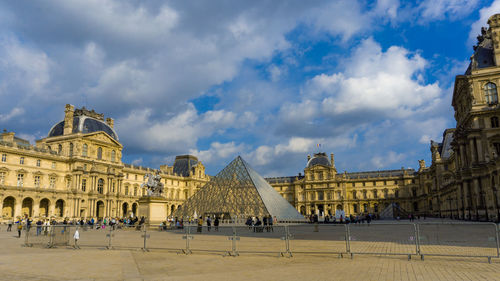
99 153
59 149
126 190
113 156
100 186
494 122
490 93
71 149
85 149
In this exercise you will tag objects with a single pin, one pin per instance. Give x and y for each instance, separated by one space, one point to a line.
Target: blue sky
269 80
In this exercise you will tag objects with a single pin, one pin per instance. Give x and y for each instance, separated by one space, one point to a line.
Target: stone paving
127 262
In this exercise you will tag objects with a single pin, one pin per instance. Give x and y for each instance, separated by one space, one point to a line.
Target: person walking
19 228
9 225
76 236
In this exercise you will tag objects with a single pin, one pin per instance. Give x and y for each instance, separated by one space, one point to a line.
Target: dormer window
490 93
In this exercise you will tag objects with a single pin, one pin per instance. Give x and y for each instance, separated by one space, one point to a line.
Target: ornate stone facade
77 172
321 190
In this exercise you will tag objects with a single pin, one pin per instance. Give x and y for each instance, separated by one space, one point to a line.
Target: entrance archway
339 207
8 207
303 210
125 209
99 209
59 208
134 209
27 207
44 207
59 211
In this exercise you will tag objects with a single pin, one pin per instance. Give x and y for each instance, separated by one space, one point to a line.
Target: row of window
85 151
21 178
22 160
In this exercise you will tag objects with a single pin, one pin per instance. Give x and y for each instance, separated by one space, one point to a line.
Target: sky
371 81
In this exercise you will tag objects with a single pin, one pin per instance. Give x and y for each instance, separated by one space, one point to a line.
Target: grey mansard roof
184 164
84 124
319 159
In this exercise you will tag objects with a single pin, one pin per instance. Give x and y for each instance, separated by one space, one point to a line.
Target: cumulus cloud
219 151
386 160
440 9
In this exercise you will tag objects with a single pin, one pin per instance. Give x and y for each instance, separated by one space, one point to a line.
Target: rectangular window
126 175
85 167
113 187
84 184
37 181
38 163
2 178
21 160
135 177
52 182
20 180
375 194
53 165
4 158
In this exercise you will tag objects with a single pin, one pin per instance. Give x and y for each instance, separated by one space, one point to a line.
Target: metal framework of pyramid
238 191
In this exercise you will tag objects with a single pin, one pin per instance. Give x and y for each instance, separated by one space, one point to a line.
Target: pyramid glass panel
238 191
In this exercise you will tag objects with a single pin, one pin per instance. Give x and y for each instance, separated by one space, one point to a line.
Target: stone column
472 151
36 209
479 146
52 208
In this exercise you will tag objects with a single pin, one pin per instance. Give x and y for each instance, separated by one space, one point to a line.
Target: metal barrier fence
409 239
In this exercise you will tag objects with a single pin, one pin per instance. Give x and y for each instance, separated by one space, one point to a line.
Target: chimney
68 119
111 122
332 159
494 23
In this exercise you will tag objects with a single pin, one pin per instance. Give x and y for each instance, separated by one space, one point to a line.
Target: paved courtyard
258 258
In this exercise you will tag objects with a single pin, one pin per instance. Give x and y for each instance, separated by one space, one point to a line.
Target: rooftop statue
153 185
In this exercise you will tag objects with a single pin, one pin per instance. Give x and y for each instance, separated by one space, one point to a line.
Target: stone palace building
76 171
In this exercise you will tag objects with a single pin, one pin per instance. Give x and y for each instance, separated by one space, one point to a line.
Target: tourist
76 236
216 223
209 223
19 228
264 220
270 223
39 224
258 225
9 225
200 225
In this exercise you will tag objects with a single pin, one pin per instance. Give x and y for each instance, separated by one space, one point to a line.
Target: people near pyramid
258 225
270 223
264 220
216 223
200 224
209 223
249 222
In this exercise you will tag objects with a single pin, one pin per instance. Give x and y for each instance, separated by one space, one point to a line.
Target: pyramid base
154 209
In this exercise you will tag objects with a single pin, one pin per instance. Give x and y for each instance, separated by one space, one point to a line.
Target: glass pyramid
238 191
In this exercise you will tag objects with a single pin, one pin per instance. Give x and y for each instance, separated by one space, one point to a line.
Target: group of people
258 226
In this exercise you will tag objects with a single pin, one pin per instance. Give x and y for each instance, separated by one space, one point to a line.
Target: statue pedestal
154 209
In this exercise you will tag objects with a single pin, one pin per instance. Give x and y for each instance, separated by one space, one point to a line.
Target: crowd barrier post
347 239
287 238
145 236
417 239
233 238
187 237
109 236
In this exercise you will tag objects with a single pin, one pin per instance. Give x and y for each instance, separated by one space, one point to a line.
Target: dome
318 159
84 124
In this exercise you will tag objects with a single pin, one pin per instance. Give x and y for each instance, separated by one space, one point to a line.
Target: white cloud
387 160
180 132
219 151
440 9
387 82
13 113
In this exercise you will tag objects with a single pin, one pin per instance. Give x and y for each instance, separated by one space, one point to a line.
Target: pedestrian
19 228
76 236
209 223
9 225
200 224
216 223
